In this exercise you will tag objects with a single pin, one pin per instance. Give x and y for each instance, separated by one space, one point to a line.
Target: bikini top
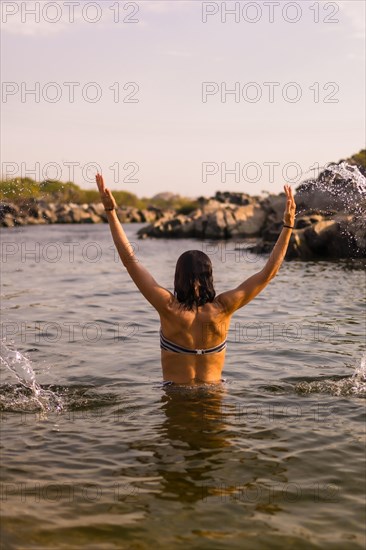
170 346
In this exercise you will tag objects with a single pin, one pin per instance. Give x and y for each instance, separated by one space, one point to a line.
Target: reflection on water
98 454
195 436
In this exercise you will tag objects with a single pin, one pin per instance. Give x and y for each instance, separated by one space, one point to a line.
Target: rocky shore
316 235
330 220
35 212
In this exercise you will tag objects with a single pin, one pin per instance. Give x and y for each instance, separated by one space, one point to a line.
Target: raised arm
249 289
158 296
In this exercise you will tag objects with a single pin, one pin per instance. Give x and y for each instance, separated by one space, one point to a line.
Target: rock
148 215
9 208
230 220
330 220
49 216
216 225
341 237
7 220
319 235
350 241
9 213
306 221
123 214
31 220
129 214
176 224
98 210
274 206
81 214
211 206
219 222
340 187
135 216
358 231
227 197
250 220
64 214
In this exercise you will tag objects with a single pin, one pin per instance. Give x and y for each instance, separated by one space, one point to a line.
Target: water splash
18 364
348 173
354 385
338 188
338 193
28 394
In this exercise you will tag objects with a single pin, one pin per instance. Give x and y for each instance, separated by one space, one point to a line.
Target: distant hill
165 196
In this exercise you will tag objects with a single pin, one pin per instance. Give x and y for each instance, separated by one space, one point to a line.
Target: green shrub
23 189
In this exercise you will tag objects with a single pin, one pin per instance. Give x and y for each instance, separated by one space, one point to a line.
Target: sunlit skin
206 326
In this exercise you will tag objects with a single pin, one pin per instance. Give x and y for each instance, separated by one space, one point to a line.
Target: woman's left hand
105 194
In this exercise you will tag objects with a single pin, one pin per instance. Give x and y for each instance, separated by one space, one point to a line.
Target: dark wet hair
193 282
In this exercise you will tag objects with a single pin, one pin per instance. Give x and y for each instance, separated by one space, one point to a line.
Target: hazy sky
151 82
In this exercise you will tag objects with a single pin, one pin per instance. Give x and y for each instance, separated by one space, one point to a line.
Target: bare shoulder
220 305
168 303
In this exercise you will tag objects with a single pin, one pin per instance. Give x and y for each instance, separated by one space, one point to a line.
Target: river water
97 454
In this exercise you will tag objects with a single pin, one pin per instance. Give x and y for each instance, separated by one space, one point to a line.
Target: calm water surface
97 454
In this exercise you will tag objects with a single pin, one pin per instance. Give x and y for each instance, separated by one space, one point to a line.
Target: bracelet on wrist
289 226
109 209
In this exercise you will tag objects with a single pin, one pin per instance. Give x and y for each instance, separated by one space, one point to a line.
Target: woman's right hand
289 214
105 194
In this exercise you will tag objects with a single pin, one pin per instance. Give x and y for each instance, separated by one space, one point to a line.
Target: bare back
202 328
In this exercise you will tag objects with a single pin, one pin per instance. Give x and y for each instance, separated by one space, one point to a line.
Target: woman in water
194 321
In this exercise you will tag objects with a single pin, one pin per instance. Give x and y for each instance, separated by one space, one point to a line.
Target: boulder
358 230
340 187
228 197
249 219
134 215
216 225
8 220
9 214
230 221
274 206
31 220
64 214
123 214
82 214
49 215
341 237
211 206
307 221
219 222
319 235
148 215
98 210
